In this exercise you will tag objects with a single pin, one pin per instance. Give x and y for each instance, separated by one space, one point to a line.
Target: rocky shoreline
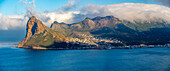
96 48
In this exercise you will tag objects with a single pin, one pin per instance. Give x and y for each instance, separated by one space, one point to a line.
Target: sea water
141 59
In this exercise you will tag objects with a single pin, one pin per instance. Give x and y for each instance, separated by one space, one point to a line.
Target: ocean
141 59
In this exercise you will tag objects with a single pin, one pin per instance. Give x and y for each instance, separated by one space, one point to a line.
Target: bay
143 59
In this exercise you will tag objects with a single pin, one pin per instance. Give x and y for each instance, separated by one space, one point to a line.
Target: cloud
92 11
71 4
125 11
66 17
164 2
32 12
26 2
11 22
32 3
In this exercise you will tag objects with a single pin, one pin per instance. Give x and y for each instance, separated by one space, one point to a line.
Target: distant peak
106 17
110 16
62 23
33 18
34 26
55 22
87 18
97 18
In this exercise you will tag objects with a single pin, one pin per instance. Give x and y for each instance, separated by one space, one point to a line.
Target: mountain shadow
129 36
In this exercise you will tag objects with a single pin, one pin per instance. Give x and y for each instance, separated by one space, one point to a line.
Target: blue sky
15 7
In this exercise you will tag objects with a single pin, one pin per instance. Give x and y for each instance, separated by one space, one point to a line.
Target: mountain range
96 32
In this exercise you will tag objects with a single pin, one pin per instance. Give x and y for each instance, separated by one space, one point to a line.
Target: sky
13 7
14 14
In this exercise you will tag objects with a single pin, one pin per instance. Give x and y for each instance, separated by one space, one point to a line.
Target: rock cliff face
34 26
37 34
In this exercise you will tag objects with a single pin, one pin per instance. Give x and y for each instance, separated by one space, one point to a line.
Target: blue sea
142 59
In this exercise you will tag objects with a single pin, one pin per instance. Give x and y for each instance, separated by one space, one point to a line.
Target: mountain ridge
87 33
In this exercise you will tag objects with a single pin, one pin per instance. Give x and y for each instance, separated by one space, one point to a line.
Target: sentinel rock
38 35
34 26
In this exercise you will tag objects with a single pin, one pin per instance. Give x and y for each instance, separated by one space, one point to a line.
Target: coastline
95 48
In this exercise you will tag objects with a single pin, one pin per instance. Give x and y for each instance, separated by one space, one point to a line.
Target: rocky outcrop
106 21
34 26
59 26
37 34
97 22
62 28
88 23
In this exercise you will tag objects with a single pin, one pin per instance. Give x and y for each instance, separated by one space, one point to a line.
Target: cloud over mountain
128 11
32 12
124 11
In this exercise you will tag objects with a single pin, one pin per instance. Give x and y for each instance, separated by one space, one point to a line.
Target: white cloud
0 14
32 12
61 17
71 4
124 11
32 3
12 22
128 11
26 2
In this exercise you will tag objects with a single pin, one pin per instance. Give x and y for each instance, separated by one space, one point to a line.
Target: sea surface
141 59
